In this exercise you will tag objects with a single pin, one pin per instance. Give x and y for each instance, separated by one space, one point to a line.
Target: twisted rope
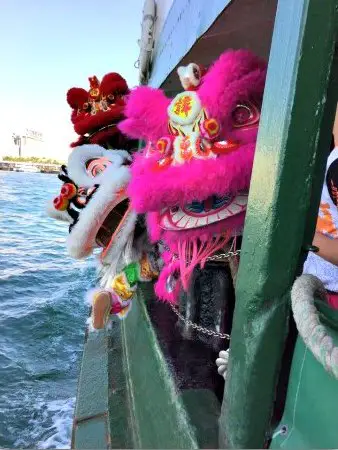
315 335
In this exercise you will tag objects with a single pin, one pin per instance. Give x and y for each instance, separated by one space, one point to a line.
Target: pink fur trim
154 230
166 257
146 114
197 180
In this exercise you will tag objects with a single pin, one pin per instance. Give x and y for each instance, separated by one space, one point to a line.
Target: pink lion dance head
193 177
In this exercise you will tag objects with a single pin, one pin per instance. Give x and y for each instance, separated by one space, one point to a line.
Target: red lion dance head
97 112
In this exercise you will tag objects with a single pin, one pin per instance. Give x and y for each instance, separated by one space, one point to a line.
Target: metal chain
217 257
193 325
189 323
222 256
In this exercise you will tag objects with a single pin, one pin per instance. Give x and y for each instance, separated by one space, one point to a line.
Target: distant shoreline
11 166
15 171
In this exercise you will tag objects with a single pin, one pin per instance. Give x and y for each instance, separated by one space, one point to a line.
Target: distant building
32 144
28 143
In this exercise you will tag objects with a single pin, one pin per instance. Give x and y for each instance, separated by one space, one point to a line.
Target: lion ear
76 97
113 82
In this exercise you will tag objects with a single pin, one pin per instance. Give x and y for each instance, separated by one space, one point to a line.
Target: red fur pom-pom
76 97
113 82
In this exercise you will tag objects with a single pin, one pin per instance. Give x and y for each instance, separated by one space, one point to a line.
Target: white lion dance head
94 202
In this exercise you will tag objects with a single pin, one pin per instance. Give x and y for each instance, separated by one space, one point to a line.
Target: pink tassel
192 252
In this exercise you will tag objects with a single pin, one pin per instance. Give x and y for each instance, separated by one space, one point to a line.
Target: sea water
42 316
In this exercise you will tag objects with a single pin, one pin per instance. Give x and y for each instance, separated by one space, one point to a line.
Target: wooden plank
287 155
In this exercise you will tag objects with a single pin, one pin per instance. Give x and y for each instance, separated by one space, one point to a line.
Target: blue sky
48 46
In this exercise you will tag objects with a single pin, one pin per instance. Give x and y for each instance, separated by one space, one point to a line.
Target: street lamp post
17 141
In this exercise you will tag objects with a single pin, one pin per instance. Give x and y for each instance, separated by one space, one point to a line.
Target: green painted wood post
286 157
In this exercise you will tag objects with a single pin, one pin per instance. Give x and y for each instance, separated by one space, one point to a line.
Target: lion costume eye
96 166
196 73
245 115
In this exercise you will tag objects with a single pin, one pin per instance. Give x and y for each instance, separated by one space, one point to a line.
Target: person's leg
101 309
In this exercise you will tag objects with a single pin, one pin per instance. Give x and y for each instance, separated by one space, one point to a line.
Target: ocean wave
42 316
59 432
49 426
